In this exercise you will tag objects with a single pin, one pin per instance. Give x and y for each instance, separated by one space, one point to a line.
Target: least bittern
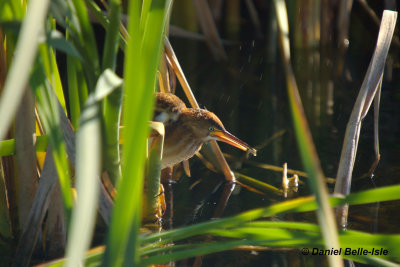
187 129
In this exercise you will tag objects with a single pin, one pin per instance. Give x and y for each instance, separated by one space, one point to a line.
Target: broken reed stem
367 93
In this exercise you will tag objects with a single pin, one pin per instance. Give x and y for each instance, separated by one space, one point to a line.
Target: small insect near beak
229 138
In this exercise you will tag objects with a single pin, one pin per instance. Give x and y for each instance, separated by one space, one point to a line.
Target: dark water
248 93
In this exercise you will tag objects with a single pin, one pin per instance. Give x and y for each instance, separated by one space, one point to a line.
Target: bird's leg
162 205
167 182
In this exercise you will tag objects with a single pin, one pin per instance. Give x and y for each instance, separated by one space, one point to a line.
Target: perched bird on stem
187 129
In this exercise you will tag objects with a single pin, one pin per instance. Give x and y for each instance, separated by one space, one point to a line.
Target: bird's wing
168 107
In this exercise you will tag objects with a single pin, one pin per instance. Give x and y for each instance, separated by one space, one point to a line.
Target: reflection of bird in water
186 129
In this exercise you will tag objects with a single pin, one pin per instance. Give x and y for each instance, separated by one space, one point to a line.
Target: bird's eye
210 129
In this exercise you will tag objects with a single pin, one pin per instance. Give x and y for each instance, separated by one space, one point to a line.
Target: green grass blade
111 116
73 91
7 147
178 234
278 237
154 243
296 205
73 16
128 201
77 85
25 53
273 234
48 59
88 166
58 42
279 234
144 51
104 21
112 36
178 252
86 35
202 249
378 262
254 183
12 10
112 104
48 112
305 143
150 47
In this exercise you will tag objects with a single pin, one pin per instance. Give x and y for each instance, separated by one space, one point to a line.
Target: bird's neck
179 144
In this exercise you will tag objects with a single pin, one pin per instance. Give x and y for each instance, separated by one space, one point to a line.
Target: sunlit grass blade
269 234
143 50
279 237
88 167
202 228
74 17
112 36
56 40
273 237
77 85
256 184
89 45
55 222
188 251
296 205
51 68
155 243
112 104
377 261
12 10
7 147
305 143
49 114
15 85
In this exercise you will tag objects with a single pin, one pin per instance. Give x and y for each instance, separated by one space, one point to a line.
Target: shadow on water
248 93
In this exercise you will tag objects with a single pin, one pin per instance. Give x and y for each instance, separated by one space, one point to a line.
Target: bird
187 129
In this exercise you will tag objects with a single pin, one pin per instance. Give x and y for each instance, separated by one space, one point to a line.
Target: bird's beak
229 138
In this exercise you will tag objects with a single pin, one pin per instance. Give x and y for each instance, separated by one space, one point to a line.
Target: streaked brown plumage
186 129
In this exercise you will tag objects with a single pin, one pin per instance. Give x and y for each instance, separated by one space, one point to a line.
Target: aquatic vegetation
78 147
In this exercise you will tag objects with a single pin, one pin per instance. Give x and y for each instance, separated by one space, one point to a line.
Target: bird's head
206 126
